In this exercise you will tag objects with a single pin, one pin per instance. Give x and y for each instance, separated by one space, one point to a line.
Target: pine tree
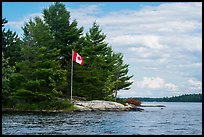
64 32
36 33
104 72
42 73
89 79
10 44
7 71
66 35
40 70
10 55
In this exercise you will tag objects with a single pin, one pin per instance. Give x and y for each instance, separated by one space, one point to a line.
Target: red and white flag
77 58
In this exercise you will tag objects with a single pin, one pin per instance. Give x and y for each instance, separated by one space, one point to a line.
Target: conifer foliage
42 65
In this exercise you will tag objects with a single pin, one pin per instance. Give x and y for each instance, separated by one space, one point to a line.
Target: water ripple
176 119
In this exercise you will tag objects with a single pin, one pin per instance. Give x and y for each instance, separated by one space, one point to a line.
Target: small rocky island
80 105
101 105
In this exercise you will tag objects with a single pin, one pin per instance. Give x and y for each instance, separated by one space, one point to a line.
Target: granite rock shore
101 105
93 105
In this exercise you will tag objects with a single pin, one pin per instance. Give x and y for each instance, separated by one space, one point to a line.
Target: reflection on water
174 119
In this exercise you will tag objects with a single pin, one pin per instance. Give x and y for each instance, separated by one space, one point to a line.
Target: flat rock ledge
94 105
101 105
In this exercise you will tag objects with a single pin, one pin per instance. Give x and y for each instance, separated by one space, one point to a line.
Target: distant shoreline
181 98
176 101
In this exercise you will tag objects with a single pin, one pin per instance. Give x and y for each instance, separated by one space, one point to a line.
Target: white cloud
134 93
171 86
152 83
17 25
144 40
85 15
156 83
187 66
195 85
20 23
154 36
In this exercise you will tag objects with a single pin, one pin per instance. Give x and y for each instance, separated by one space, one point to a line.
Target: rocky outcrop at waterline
82 105
101 105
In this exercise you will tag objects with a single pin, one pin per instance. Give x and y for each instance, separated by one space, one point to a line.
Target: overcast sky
161 42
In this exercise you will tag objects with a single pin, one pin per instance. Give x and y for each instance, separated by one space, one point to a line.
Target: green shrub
46 105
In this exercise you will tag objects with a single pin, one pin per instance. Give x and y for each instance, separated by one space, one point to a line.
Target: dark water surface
177 118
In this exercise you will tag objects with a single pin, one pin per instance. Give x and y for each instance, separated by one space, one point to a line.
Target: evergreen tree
64 32
36 33
104 72
89 79
10 44
43 73
7 71
10 55
40 71
66 35
119 75
43 77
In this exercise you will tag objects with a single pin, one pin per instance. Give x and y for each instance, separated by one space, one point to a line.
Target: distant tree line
36 68
181 98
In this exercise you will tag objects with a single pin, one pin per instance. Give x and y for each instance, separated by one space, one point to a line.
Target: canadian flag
77 58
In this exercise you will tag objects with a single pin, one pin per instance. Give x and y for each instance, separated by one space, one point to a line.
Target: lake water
177 118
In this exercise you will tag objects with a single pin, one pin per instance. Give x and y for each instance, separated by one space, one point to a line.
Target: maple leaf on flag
77 58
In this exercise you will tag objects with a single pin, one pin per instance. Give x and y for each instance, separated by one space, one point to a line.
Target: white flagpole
72 76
